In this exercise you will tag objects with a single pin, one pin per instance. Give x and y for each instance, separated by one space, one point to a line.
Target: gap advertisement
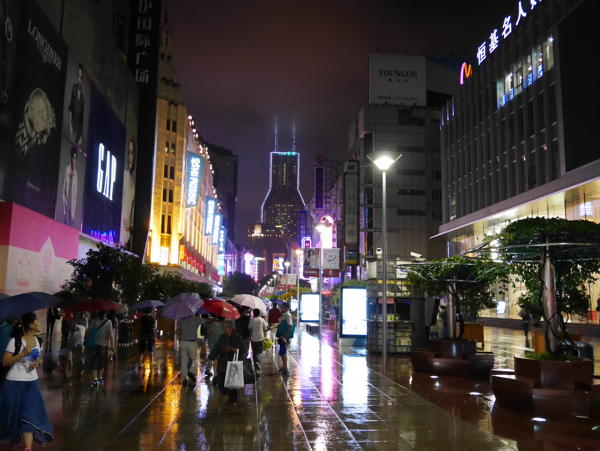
354 312
31 118
104 174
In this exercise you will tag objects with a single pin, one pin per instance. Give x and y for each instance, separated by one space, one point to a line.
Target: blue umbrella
182 306
277 301
147 304
15 306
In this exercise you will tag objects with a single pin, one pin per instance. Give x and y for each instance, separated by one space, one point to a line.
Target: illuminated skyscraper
283 200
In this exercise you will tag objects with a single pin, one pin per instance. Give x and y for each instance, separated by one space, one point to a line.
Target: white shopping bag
234 377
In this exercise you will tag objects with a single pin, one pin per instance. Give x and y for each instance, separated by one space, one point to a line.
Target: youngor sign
209 219
397 79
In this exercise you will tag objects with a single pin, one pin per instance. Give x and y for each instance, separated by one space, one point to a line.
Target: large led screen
354 312
309 307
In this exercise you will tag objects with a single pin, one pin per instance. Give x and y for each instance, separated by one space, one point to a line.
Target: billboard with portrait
32 112
103 192
128 204
73 152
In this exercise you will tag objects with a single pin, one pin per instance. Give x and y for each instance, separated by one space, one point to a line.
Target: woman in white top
22 410
257 327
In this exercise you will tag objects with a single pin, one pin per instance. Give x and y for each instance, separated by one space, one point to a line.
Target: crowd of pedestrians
80 343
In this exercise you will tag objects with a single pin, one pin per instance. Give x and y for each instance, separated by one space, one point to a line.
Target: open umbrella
92 305
147 304
277 301
14 307
252 302
182 306
221 308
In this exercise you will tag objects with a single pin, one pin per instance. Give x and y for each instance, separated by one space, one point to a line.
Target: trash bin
584 350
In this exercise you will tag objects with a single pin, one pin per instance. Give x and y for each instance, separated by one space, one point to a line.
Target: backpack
91 335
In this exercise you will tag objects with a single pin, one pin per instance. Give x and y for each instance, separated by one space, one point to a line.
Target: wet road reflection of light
355 389
327 377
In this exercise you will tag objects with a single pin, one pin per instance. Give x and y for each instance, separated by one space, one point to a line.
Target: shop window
164 194
530 71
518 82
162 223
171 196
172 172
173 148
509 91
166 172
168 124
174 127
167 147
500 100
169 224
538 61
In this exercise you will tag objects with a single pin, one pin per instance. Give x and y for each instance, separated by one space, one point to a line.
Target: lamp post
384 160
299 256
321 227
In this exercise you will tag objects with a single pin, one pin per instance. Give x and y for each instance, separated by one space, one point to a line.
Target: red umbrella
93 305
221 308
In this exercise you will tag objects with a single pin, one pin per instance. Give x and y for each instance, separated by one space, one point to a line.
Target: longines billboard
397 80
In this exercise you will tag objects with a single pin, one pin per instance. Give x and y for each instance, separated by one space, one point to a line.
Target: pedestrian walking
22 411
214 330
273 320
258 327
187 332
99 340
526 322
223 352
241 327
283 331
73 351
147 333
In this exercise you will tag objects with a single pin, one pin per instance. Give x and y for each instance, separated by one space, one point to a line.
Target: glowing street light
384 160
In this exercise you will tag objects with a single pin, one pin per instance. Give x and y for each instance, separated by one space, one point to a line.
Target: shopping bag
249 377
234 376
267 344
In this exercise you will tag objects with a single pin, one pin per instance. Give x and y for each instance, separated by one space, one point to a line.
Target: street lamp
384 160
287 267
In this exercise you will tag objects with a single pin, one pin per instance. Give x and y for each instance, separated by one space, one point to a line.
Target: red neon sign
466 70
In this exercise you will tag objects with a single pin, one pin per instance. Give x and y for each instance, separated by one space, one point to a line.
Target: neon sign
209 220
222 233
216 228
195 165
466 70
486 49
107 172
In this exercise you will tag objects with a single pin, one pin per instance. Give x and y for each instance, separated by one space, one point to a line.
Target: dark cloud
242 63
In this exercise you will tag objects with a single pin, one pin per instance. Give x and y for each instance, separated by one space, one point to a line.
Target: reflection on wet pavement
334 399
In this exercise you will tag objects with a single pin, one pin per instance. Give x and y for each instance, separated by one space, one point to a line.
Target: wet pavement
335 398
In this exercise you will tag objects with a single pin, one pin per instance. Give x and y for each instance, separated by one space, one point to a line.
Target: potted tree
467 282
554 258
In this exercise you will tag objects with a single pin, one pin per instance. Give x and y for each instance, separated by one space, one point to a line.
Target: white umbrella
247 300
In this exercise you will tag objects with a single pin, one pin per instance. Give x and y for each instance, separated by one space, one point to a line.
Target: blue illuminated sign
209 219
195 166
216 228
222 235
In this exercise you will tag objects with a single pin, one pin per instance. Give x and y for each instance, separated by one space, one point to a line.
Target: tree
166 285
239 283
534 247
468 281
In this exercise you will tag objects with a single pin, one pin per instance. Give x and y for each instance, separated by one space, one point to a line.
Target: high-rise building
283 200
225 166
518 140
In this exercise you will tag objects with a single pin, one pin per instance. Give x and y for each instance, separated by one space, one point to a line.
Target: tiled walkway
333 400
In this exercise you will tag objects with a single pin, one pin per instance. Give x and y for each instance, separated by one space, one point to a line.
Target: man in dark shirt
146 333
241 327
223 352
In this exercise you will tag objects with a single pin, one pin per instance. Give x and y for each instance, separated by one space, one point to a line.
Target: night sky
242 63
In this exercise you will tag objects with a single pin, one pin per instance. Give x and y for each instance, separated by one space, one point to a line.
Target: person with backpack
98 341
285 331
22 410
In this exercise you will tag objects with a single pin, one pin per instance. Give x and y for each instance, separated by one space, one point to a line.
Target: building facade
516 138
225 166
69 134
186 231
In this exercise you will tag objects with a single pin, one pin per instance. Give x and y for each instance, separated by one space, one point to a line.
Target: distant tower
283 200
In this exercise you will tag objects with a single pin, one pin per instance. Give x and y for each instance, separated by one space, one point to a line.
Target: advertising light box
309 307
209 220
354 312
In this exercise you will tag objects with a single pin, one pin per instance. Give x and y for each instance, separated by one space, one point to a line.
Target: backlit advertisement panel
193 180
34 61
209 219
397 79
354 312
310 308
104 174
73 153
216 229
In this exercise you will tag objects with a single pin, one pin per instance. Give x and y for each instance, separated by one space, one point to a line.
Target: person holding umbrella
100 340
223 352
22 411
187 332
